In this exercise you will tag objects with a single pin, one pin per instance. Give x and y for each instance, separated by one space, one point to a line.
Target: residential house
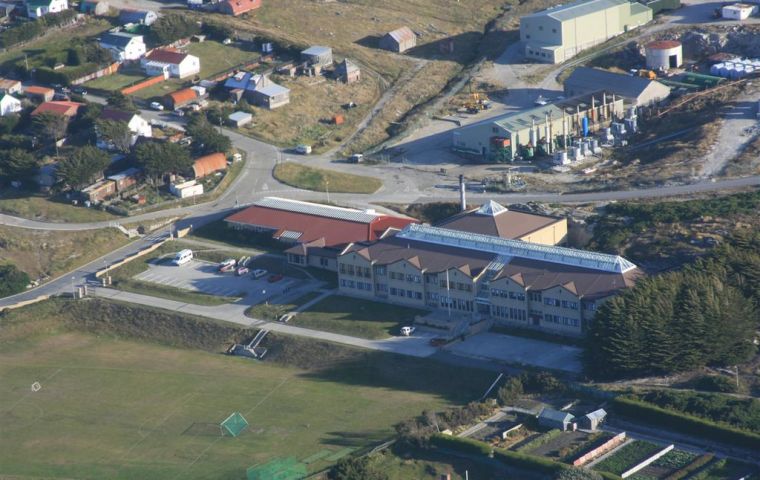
124 46
94 7
125 179
40 8
318 232
258 90
139 126
8 86
9 104
348 72
40 94
139 17
559 33
99 191
638 90
238 7
549 418
63 108
180 98
592 421
319 56
208 164
399 40
173 63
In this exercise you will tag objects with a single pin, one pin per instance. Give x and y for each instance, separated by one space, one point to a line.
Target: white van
303 149
182 257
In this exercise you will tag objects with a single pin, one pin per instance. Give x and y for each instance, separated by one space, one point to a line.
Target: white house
40 8
124 46
170 62
9 104
137 124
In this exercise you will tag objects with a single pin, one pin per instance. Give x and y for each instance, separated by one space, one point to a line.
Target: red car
275 278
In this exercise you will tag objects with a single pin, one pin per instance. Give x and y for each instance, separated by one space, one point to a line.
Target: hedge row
460 444
684 471
685 423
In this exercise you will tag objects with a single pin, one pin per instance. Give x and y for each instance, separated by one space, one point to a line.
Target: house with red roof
238 7
317 232
63 108
170 63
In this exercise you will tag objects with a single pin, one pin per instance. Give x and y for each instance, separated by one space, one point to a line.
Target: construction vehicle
477 102
650 74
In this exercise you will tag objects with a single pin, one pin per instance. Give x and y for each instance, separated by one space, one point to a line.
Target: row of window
556 302
464 287
400 292
347 269
509 312
559 320
357 285
408 277
457 304
495 292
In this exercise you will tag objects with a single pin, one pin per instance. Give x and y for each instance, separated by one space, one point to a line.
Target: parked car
303 149
356 158
407 330
437 342
241 271
275 278
259 272
179 113
156 106
182 257
227 269
79 90
61 97
227 41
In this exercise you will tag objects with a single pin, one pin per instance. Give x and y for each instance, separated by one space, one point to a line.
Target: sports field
121 409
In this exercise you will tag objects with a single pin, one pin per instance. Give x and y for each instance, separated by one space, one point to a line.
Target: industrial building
540 130
738 11
637 90
399 40
477 277
559 33
663 54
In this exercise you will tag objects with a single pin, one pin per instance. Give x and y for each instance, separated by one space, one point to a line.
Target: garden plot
628 456
665 465
560 445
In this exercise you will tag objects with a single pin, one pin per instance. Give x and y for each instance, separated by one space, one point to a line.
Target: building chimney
462 195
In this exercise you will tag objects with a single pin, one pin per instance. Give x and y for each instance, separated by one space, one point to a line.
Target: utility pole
327 190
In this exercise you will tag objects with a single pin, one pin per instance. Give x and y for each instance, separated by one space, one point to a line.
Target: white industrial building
738 11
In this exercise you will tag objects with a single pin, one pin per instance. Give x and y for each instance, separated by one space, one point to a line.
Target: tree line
705 314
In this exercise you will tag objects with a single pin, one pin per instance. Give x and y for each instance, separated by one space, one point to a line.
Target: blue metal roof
238 81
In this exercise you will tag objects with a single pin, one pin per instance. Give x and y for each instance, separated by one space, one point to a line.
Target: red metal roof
164 55
332 231
239 7
67 109
181 97
663 44
35 90
209 164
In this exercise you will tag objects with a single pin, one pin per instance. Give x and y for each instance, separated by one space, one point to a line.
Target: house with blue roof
139 17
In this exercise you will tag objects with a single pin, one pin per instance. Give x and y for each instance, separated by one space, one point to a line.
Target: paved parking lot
494 346
204 277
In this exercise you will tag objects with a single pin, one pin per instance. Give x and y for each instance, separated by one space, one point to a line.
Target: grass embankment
355 317
321 180
49 253
48 209
123 279
113 407
273 311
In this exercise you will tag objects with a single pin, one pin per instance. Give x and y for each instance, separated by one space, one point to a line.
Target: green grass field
356 317
38 207
119 409
317 179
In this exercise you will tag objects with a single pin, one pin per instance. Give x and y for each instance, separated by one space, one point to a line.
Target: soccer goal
234 424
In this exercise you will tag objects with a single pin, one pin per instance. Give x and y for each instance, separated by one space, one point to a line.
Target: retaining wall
608 446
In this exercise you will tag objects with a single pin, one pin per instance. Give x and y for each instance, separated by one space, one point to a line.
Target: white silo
664 54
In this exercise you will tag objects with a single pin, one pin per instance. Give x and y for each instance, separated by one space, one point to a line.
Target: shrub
529 462
460 444
578 474
510 391
541 382
685 423
716 383
12 280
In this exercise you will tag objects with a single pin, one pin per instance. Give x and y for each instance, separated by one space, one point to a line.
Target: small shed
209 164
592 421
125 179
186 189
348 72
317 55
238 119
550 418
399 40
43 94
271 96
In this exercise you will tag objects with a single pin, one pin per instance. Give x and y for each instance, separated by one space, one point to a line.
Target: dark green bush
460 444
12 280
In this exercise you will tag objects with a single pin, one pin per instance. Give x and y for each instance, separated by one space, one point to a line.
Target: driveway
519 350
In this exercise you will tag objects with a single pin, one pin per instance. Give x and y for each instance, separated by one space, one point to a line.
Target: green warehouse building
559 33
540 130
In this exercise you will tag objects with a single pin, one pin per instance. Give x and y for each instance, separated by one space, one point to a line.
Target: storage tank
715 69
664 54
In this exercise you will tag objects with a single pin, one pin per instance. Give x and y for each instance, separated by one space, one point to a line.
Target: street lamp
327 190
